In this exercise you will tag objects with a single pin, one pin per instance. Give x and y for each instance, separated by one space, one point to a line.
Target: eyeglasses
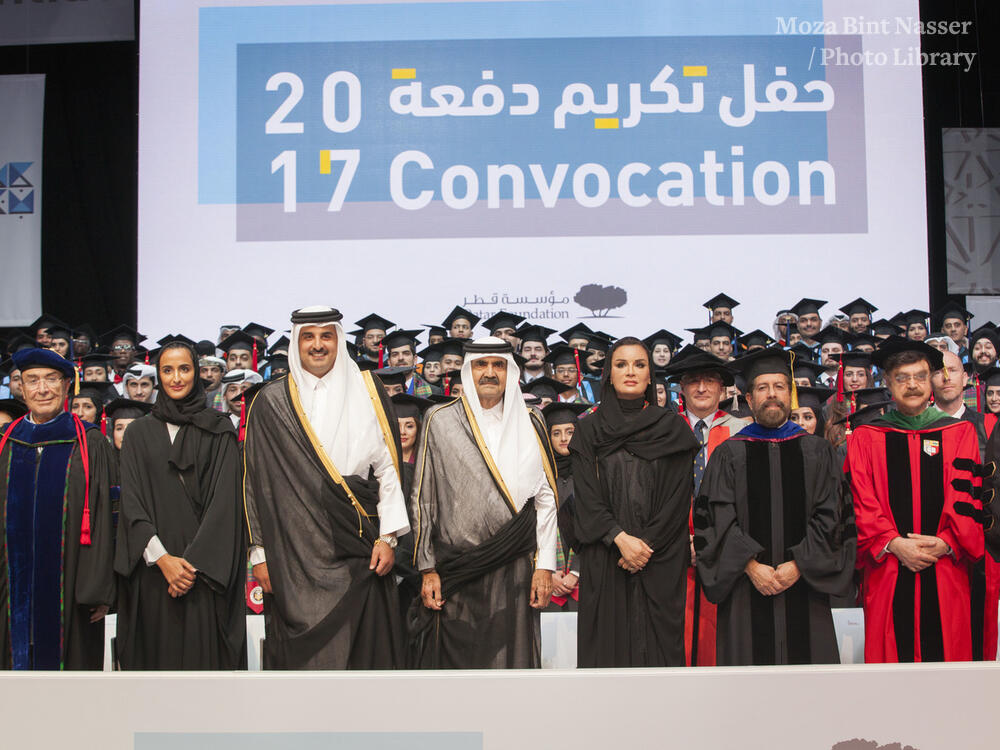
565 370
920 377
52 381
123 348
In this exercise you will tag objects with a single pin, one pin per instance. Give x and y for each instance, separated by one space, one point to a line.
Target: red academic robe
901 480
700 613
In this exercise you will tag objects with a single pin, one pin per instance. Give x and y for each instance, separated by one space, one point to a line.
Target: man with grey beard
774 534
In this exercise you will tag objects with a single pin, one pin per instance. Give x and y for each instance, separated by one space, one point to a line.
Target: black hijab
192 409
643 429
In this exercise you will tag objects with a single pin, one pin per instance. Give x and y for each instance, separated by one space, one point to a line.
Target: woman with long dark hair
632 465
181 549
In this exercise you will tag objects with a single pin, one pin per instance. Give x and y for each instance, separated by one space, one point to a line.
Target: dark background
89 201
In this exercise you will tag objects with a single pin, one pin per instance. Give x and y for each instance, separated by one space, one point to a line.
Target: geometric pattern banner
972 209
22 101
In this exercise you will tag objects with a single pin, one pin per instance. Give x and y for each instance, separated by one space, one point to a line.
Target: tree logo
601 300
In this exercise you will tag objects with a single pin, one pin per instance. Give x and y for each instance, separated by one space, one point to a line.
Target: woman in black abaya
181 548
632 467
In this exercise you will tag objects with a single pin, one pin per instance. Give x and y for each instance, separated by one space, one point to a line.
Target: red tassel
104 425
680 403
81 436
243 419
979 395
840 382
147 358
254 355
381 352
579 374
447 385
854 401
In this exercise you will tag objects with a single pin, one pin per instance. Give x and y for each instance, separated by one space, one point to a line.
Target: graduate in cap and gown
631 462
181 551
703 380
56 581
774 533
914 549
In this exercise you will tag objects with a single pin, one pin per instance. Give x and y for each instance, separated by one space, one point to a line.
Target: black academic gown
50 580
625 619
774 496
197 515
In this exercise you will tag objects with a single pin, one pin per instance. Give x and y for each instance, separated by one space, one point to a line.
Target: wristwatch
389 539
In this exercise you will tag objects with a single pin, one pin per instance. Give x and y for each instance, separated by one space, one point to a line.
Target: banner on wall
66 21
551 159
21 116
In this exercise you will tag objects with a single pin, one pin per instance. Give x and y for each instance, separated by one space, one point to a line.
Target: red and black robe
902 483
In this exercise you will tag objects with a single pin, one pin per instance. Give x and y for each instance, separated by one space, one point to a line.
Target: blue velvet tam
28 359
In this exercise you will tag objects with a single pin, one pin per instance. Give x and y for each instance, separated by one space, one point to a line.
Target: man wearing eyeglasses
914 547
57 581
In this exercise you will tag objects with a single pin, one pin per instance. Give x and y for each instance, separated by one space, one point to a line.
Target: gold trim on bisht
383 421
487 457
293 391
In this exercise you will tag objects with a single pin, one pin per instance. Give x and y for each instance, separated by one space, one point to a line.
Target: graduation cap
807 368
394 375
869 396
563 354
281 345
95 359
715 330
579 331
96 396
46 322
691 359
277 362
663 336
503 319
863 339
807 306
400 338
756 339
558 413
858 306
126 408
770 361
897 344
238 341
258 331
990 377
122 332
814 398
440 398
406 405
913 317
13 408
883 327
833 335
457 314
366 364
27 359
432 353
985 332
599 341
177 337
952 310
721 300
374 322
435 330
853 359
534 332
545 387
204 348
85 329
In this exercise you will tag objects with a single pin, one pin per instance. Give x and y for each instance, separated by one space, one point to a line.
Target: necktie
702 458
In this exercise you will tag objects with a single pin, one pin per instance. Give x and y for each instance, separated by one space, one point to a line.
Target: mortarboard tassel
854 401
979 395
381 353
680 403
147 358
579 374
254 356
840 380
447 385
243 419
795 391
104 425
76 382
81 436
